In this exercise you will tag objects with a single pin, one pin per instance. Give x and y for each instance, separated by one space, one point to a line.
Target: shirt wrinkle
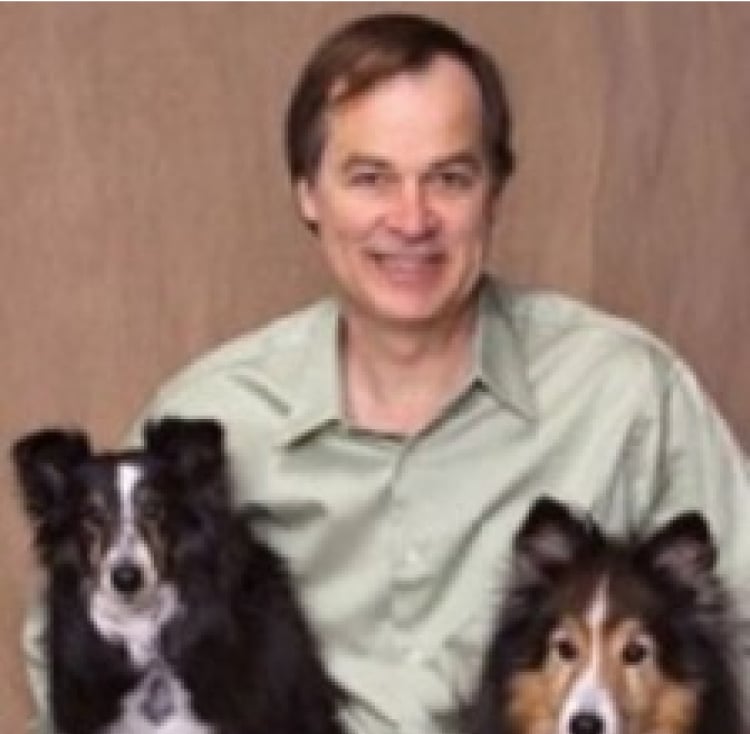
499 362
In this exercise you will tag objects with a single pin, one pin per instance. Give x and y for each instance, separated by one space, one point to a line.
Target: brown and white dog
602 636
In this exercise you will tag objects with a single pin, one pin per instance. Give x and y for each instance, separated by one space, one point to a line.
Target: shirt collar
498 364
314 396
499 360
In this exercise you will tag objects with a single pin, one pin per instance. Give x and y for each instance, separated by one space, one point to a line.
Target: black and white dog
167 614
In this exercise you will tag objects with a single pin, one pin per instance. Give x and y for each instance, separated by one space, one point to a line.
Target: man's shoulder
267 357
547 321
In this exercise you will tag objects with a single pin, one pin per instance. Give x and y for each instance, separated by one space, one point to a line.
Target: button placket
410 563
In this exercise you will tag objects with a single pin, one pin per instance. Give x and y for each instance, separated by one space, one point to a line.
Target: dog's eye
93 516
565 649
635 652
93 523
151 509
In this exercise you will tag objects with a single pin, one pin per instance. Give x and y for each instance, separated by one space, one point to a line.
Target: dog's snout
586 722
127 578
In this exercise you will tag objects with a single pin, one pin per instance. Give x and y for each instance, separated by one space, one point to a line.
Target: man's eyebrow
465 159
363 161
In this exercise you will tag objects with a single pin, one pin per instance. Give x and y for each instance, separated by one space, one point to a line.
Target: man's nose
411 214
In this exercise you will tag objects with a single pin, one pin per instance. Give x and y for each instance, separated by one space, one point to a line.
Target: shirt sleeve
34 641
701 466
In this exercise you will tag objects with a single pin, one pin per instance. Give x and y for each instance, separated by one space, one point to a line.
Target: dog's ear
683 550
192 447
551 537
43 461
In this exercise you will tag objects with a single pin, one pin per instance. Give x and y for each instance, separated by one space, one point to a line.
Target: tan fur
96 529
650 702
647 700
537 696
150 527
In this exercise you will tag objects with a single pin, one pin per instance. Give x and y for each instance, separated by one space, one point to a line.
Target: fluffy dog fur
167 615
599 636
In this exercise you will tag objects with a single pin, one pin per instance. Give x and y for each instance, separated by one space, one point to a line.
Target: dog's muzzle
586 722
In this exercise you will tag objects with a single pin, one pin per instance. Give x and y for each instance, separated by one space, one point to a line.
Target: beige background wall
145 213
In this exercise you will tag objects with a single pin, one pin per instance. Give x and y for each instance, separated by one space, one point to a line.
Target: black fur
241 648
667 580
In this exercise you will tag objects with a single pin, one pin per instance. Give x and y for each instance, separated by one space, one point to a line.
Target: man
398 432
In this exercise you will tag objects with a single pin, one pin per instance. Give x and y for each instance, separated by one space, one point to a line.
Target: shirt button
413 560
412 567
415 657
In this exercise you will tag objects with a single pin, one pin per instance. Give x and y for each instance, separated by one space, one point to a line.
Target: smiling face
403 198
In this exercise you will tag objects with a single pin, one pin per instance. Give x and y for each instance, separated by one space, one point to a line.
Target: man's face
403 198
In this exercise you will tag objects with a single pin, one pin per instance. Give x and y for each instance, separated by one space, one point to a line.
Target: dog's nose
586 722
127 578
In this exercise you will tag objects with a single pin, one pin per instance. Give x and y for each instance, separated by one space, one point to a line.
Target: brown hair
371 49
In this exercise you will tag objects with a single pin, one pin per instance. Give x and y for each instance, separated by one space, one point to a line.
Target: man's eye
454 180
368 178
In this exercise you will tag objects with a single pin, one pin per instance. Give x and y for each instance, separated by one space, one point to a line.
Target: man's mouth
409 257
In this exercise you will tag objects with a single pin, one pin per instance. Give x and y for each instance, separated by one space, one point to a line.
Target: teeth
415 257
407 264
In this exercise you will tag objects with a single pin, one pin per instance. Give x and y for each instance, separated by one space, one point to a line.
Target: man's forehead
443 78
355 82
424 116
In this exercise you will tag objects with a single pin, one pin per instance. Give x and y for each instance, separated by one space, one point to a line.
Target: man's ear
307 201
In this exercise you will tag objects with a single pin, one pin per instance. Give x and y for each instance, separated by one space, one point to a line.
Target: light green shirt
399 546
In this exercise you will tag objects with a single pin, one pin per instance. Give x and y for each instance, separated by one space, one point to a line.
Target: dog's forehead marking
589 693
128 476
596 614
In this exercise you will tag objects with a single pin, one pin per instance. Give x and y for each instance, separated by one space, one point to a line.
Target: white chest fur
159 704
138 703
136 628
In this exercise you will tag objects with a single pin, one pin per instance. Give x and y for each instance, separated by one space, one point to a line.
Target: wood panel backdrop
145 212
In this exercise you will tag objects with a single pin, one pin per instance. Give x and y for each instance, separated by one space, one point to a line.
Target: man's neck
397 380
